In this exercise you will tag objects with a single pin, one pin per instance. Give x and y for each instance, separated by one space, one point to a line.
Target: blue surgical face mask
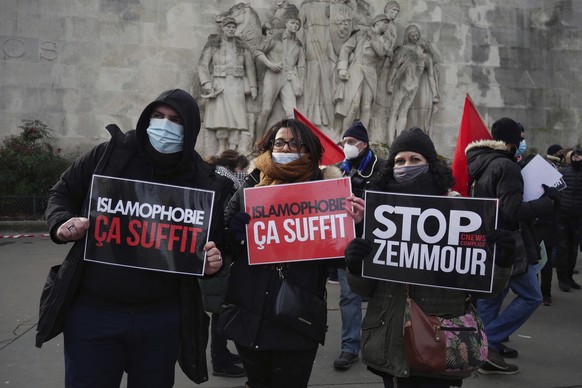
166 136
285 157
407 173
521 149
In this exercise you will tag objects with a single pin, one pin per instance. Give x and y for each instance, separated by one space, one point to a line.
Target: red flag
472 128
332 153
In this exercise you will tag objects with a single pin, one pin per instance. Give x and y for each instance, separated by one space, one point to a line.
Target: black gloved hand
237 226
553 194
355 253
505 246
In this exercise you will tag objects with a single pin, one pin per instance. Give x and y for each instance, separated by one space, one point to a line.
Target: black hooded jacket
131 156
497 175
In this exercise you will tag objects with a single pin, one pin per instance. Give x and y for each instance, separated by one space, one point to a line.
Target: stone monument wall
80 65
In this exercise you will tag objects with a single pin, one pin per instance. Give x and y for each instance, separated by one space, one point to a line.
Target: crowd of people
120 319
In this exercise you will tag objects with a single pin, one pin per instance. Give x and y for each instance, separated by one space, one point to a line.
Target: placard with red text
148 225
298 221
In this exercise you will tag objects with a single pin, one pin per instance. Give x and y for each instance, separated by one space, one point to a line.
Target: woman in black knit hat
413 167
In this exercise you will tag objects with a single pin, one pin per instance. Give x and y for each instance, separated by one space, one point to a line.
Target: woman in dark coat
413 167
273 354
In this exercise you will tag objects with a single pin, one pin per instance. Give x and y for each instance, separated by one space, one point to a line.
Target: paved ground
550 343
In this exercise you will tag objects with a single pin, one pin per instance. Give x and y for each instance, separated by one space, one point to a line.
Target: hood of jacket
482 152
186 106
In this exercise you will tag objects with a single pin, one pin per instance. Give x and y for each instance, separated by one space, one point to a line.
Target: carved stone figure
392 9
279 18
341 25
381 104
367 48
411 61
425 105
363 14
227 75
284 58
248 24
318 104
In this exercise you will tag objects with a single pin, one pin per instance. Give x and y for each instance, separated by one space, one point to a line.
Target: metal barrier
22 207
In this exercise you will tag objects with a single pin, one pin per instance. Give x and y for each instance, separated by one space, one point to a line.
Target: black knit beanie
415 140
554 148
357 131
506 130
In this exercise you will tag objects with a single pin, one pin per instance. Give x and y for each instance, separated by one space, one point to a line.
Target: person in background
555 155
413 167
569 223
546 230
522 145
118 319
493 167
361 165
229 164
273 354
568 158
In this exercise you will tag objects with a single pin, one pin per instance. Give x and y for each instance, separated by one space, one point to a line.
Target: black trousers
101 345
277 368
568 229
219 352
547 272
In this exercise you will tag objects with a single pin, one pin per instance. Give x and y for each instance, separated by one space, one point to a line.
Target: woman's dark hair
230 159
300 131
242 161
439 169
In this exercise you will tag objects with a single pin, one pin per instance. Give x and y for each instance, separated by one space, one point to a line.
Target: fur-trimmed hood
487 143
482 152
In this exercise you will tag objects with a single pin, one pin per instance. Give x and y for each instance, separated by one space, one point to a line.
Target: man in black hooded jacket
119 319
496 174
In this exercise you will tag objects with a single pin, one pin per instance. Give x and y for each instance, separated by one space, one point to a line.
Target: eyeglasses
352 142
294 145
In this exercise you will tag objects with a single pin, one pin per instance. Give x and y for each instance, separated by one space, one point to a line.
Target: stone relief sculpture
411 61
318 105
341 26
354 95
278 20
381 108
392 9
341 67
227 75
284 58
362 15
248 24
427 98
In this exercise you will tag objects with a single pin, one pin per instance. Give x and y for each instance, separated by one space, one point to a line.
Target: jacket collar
488 143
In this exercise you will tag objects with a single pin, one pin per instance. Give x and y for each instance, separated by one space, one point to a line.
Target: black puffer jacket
571 196
497 175
125 156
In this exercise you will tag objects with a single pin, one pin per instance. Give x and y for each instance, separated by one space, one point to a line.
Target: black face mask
577 164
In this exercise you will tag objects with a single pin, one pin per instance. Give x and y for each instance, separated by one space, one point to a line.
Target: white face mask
285 157
351 151
166 136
